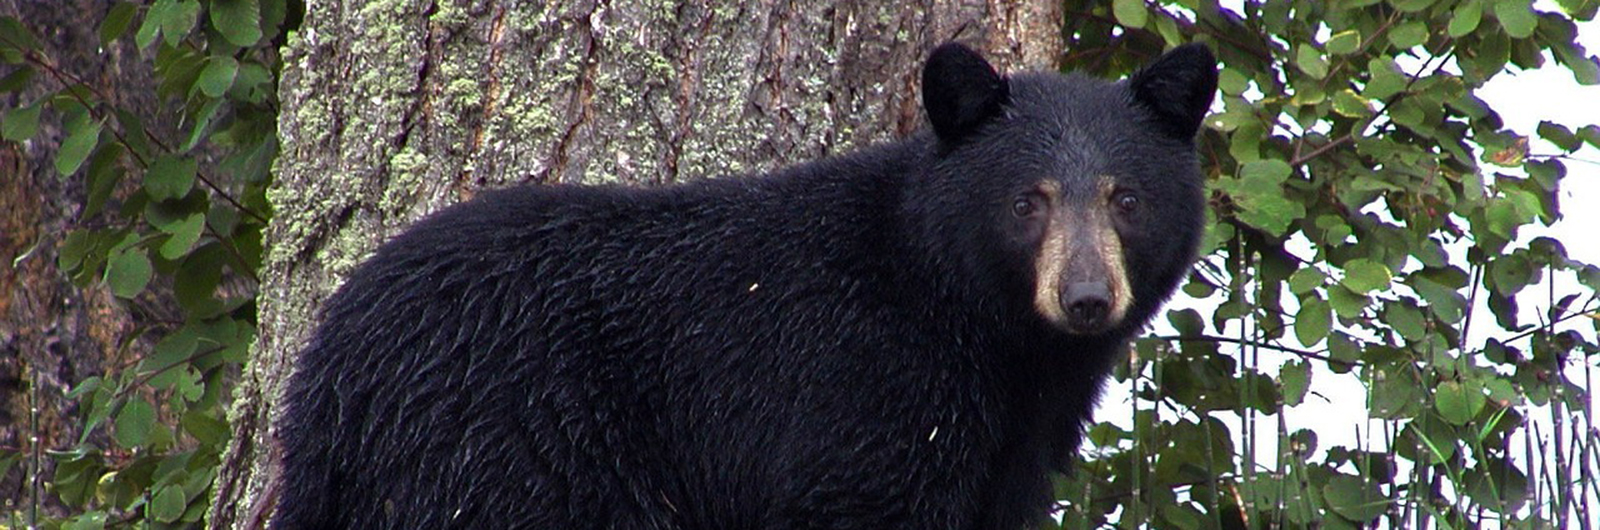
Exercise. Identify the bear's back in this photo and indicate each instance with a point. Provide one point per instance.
(546, 325)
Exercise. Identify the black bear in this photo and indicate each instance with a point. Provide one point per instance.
(909, 336)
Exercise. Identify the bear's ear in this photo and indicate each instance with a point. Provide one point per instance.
(960, 91)
(1178, 88)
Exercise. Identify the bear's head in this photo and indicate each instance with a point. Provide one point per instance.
(1081, 199)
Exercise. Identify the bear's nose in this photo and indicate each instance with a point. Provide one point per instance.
(1087, 305)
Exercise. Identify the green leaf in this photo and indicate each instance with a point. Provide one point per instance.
(170, 177)
(1313, 321)
(1445, 302)
(239, 348)
(167, 215)
(202, 123)
(194, 284)
(134, 423)
(1503, 392)
(1517, 17)
(245, 84)
(95, 520)
(1436, 437)
(151, 27)
(1295, 378)
(1559, 135)
(133, 133)
(1458, 403)
(90, 384)
(105, 170)
(1579, 9)
(73, 249)
(1590, 135)
(239, 21)
(1405, 320)
(1342, 349)
(169, 18)
(75, 477)
(14, 34)
(1501, 485)
(20, 123)
(1245, 143)
(1411, 6)
(180, 21)
(1181, 517)
(1386, 80)
(1465, 18)
(1231, 82)
(1344, 42)
(1354, 498)
(1269, 172)
(1346, 303)
(217, 77)
(1504, 218)
(208, 430)
(1306, 279)
(99, 411)
(117, 21)
(1585, 68)
(1187, 322)
(1170, 34)
(1492, 53)
(1269, 212)
(1310, 61)
(1409, 35)
(17, 79)
(1309, 94)
(1545, 174)
(128, 273)
(168, 504)
(184, 236)
(168, 358)
(8, 459)
(80, 141)
(1350, 105)
(1510, 273)
(273, 14)
(186, 383)
(1364, 275)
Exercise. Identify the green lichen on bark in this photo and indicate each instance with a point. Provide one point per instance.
(408, 169)
(451, 13)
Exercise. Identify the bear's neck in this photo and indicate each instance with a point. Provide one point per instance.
(943, 243)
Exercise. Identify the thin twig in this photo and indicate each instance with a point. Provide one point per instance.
(1246, 342)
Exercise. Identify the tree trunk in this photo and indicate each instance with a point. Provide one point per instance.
(392, 110)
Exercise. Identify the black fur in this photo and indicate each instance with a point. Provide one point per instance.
(960, 91)
(847, 343)
(1179, 88)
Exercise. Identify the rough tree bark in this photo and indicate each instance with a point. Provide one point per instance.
(395, 108)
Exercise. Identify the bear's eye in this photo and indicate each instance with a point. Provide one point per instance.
(1025, 205)
(1126, 202)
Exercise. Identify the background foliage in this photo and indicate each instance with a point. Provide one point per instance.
(166, 221)
(1367, 207)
